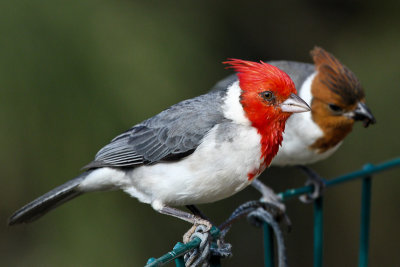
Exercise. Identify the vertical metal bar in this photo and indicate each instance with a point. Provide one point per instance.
(365, 221)
(179, 262)
(318, 232)
(268, 246)
(215, 261)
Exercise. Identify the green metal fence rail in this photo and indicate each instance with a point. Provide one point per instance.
(179, 251)
(365, 174)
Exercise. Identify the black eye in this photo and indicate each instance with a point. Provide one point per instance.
(335, 108)
(267, 95)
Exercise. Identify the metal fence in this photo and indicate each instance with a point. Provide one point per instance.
(364, 174)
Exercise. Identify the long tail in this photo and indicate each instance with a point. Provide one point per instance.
(40, 206)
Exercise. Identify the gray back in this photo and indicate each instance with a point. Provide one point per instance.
(172, 134)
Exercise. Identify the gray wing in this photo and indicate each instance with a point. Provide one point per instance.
(172, 134)
(297, 71)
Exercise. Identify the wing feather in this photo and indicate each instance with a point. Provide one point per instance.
(170, 135)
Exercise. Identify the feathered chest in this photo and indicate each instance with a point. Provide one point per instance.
(218, 168)
(300, 135)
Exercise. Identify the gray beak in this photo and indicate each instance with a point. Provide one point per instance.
(294, 104)
(362, 113)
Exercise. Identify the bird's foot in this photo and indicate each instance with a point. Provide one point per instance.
(195, 220)
(221, 249)
(200, 255)
(210, 246)
(272, 203)
(268, 195)
(316, 181)
(199, 225)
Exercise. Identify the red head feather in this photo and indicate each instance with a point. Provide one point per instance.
(254, 79)
(251, 74)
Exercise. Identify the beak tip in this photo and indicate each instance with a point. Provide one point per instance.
(294, 104)
(363, 113)
(367, 122)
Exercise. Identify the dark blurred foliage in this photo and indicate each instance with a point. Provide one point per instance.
(73, 74)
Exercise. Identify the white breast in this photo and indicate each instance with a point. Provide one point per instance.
(300, 133)
(216, 170)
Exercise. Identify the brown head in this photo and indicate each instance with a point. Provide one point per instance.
(338, 100)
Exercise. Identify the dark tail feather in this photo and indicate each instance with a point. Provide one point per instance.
(40, 206)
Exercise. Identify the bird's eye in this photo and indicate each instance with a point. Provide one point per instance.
(335, 108)
(267, 95)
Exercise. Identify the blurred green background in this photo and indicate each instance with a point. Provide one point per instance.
(73, 74)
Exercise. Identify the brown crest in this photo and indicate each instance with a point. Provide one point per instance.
(337, 77)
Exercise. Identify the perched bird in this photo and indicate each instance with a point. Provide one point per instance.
(198, 151)
(337, 100)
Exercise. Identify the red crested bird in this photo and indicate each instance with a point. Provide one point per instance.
(198, 151)
(337, 100)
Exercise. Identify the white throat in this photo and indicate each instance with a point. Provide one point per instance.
(305, 91)
(232, 108)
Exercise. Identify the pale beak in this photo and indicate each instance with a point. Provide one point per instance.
(294, 104)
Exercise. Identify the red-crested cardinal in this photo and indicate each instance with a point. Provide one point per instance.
(198, 151)
(337, 100)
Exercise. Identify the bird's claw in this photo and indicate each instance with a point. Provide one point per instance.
(319, 188)
(268, 195)
(221, 249)
(272, 204)
(199, 225)
(316, 181)
(202, 253)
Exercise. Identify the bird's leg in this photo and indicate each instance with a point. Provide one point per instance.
(268, 195)
(199, 256)
(195, 210)
(272, 203)
(201, 227)
(220, 248)
(186, 217)
(313, 179)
